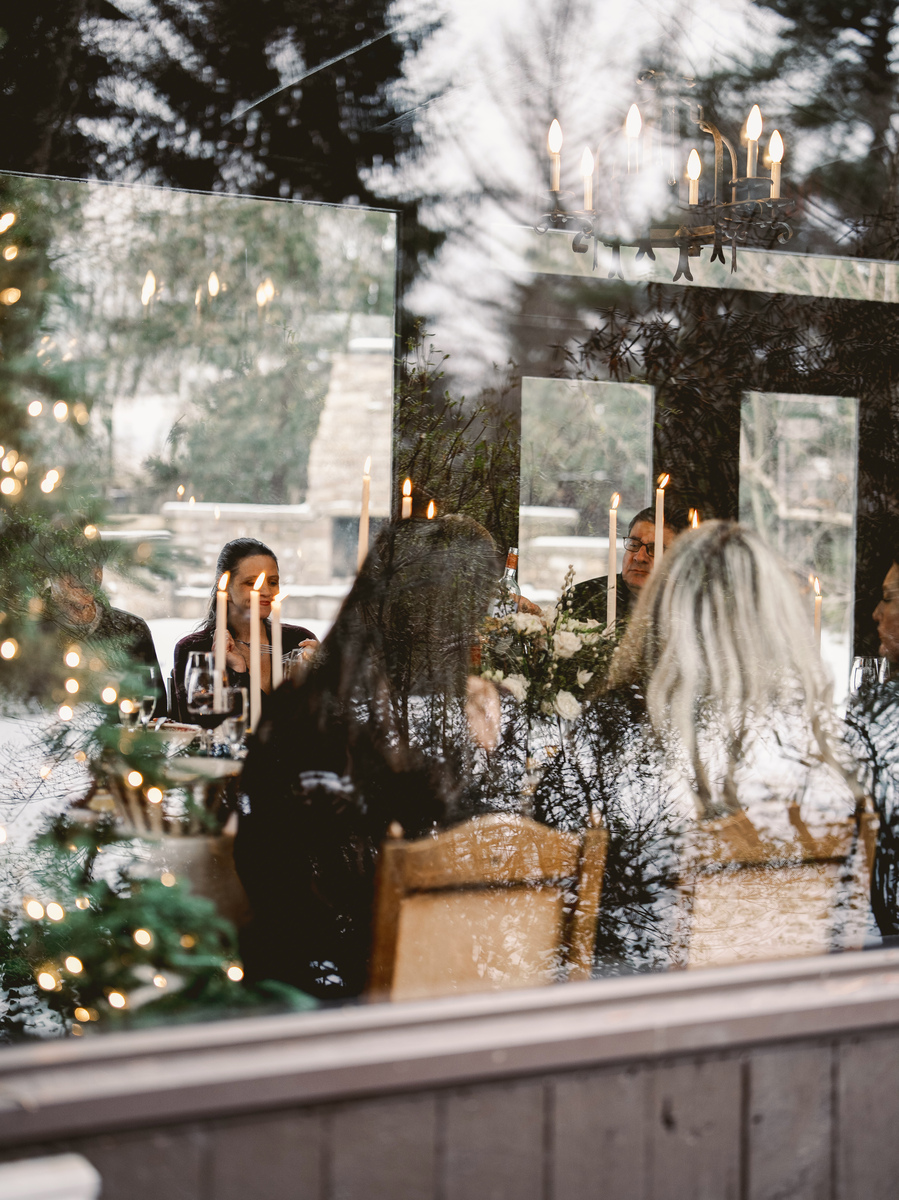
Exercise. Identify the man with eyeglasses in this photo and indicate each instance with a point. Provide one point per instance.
(589, 598)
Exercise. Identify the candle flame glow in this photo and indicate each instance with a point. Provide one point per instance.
(432, 510)
(587, 163)
(694, 518)
(407, 488)
(776, 147)
(663, 481)
(694, 165)
(817, 587)
(259, 582)
(616, 499)
(366, 470)
(634, 122)
(754, 124)
(213, 284)
(148, 290)
(280, 596)
(554, 138)
(223, 582)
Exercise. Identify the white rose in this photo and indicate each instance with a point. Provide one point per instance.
(565, 644)
(526, 623)
(566, 706)
(517, 685)
(583, 678)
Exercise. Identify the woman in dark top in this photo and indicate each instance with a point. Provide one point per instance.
(387, 726)
(245, 559)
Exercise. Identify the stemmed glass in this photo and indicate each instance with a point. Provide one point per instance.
(234, 726)
(200, 683)
(867, 674)
(148, 701)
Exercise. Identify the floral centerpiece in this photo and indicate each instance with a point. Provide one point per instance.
(550, 664)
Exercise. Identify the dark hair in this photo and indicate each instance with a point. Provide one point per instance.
(230, 556)
(675, 518)
(389, 681)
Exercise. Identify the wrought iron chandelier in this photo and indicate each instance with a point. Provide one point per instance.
(743, 209)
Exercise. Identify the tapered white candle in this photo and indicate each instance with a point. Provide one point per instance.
(660, 521)
(817, 613)
(255, 655)
(554, 146)
(277, 671)
(612, 581)
(363, 514)
(632, 126)
(407, 500)
(775, 154)
(221, 630)
(587, 168)
(753, 133)
(694, 170)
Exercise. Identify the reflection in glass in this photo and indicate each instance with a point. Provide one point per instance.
(580, 442)
(798, 463)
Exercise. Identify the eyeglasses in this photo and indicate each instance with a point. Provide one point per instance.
(633, 545)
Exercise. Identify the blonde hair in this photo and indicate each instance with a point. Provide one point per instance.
(721, 643)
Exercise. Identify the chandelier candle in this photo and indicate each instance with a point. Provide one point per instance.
(817, 614)
(432, 510)
(587, 168)
(221, 629)
(775, 154)
(363, 514)
(407, 501)
(277, 645)
(753, 133)
(660, 521)
(554, 145)
(632, 127)
(694, 170)
(255, 655)
(612, 580)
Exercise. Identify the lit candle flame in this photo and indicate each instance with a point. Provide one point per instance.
(366, 470)
(554, 138)
(261, 296)
(432, 510)
(213, 284)
(148, 290)
(754, 124)
(663, 481)
(776, 147)
(694, 518)
(616, 499)
(694, 165)
(280, 597)
(223, 582)
(634, 122)
(407, 488)
(817, 587)
(259, 582)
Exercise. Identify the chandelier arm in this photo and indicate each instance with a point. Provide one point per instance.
(708, 127)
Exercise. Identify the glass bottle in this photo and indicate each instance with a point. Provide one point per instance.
(508, 593)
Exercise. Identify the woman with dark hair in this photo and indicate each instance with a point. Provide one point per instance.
(388, 725)
(244, 559)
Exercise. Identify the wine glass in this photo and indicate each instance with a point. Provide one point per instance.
(200, 684)
(147, 708)
(867, 674)
(235, 724)
(129, 712)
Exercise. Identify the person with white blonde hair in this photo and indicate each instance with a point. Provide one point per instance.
(716, 722)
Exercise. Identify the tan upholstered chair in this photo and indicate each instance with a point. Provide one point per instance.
(497, 902)
(746, 900)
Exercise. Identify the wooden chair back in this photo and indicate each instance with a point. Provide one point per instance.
(497, 902)
(747, 900)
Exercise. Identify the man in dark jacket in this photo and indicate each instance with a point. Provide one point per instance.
(589, 598)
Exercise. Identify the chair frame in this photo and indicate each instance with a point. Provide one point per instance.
(444, 862)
